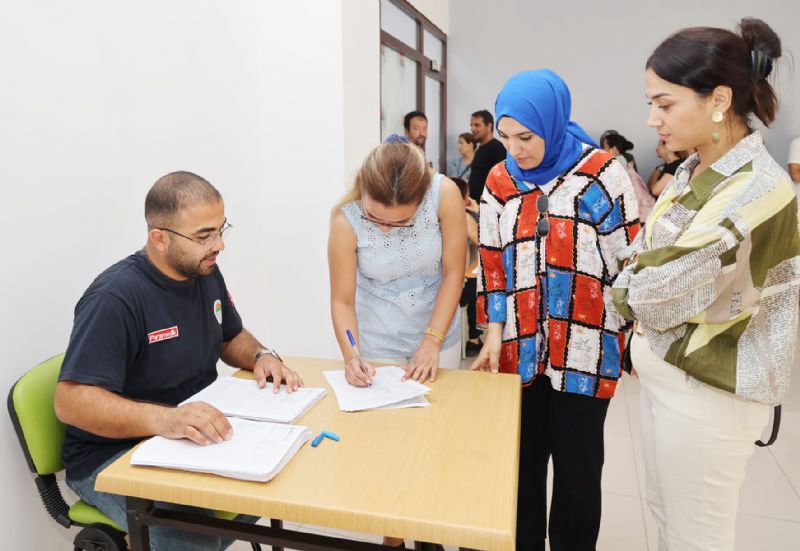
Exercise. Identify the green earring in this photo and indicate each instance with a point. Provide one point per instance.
(716, 117)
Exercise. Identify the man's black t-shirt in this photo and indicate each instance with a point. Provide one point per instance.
(146, 337)
(486, 156)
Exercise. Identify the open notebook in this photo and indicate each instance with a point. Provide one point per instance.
(242, 398)
(388, 391)
(257, 451)
(262, 443)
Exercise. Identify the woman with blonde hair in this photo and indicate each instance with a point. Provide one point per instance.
(396, 255)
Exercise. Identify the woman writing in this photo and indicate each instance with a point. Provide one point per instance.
(396, 255)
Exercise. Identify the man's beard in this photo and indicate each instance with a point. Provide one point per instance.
(189, 267)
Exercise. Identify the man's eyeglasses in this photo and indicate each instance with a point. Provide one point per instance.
(543, 224)
(207, 242)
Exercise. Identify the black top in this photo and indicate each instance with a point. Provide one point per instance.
(147, 337)
(486, 156)
(670, 168)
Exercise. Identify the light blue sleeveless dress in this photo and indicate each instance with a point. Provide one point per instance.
(398, 274)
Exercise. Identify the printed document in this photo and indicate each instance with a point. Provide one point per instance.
(388, 391)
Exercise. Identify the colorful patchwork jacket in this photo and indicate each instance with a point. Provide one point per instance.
(555, 299)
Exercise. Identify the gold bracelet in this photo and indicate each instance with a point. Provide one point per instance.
(435, 333)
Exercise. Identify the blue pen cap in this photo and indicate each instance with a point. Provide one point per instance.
(350, 336)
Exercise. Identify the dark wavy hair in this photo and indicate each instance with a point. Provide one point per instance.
(702, 58)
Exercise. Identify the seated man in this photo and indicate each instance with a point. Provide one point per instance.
(148, 333)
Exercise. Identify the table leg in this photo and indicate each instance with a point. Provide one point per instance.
(276, 523)
(138, 533)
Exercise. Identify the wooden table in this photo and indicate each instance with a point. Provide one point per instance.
(444, 474)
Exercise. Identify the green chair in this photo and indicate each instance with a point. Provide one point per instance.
(41, 434)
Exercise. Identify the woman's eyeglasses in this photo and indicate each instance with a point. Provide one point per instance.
(386, 224)
(543, 224)
(365, 216)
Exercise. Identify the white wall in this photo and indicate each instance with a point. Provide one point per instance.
(101, 98)
(437, 11)
(600, 50)
(362, 82)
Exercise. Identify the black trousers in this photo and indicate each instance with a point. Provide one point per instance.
(570, 428)
(468, 295)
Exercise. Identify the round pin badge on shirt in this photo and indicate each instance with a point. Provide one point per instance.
(218, 310)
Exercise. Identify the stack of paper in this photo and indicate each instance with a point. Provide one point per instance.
(242, 398)
(388, 391)
(257, 451)
(259, 448)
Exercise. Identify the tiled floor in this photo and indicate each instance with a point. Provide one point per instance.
(769, 511)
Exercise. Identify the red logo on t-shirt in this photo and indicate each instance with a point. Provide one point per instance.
(163, 334)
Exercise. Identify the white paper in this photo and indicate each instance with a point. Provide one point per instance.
(242, 398)
(388, 391)
(256, 451)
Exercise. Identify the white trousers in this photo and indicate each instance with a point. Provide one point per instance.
(449, 358)
(696, 441)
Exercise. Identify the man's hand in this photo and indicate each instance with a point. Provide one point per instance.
(269, 366)
(198, 421)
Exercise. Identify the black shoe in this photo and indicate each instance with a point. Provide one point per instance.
(472, 348)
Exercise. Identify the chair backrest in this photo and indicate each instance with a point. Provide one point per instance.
(30, 404)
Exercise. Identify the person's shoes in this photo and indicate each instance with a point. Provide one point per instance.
(472, 348)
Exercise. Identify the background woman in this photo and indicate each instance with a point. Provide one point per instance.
(712, 281)
(461, 167)
(553, 216)
(663, 174)
(617, 145)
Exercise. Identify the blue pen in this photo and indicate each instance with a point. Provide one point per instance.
(358, 355)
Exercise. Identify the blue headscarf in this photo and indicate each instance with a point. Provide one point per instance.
(540, 101)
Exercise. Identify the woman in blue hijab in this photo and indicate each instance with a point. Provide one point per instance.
(554, 215)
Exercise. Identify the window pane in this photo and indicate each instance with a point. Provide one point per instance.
(433, 112)
(432, 48)
(398, 90)
(398, 24)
